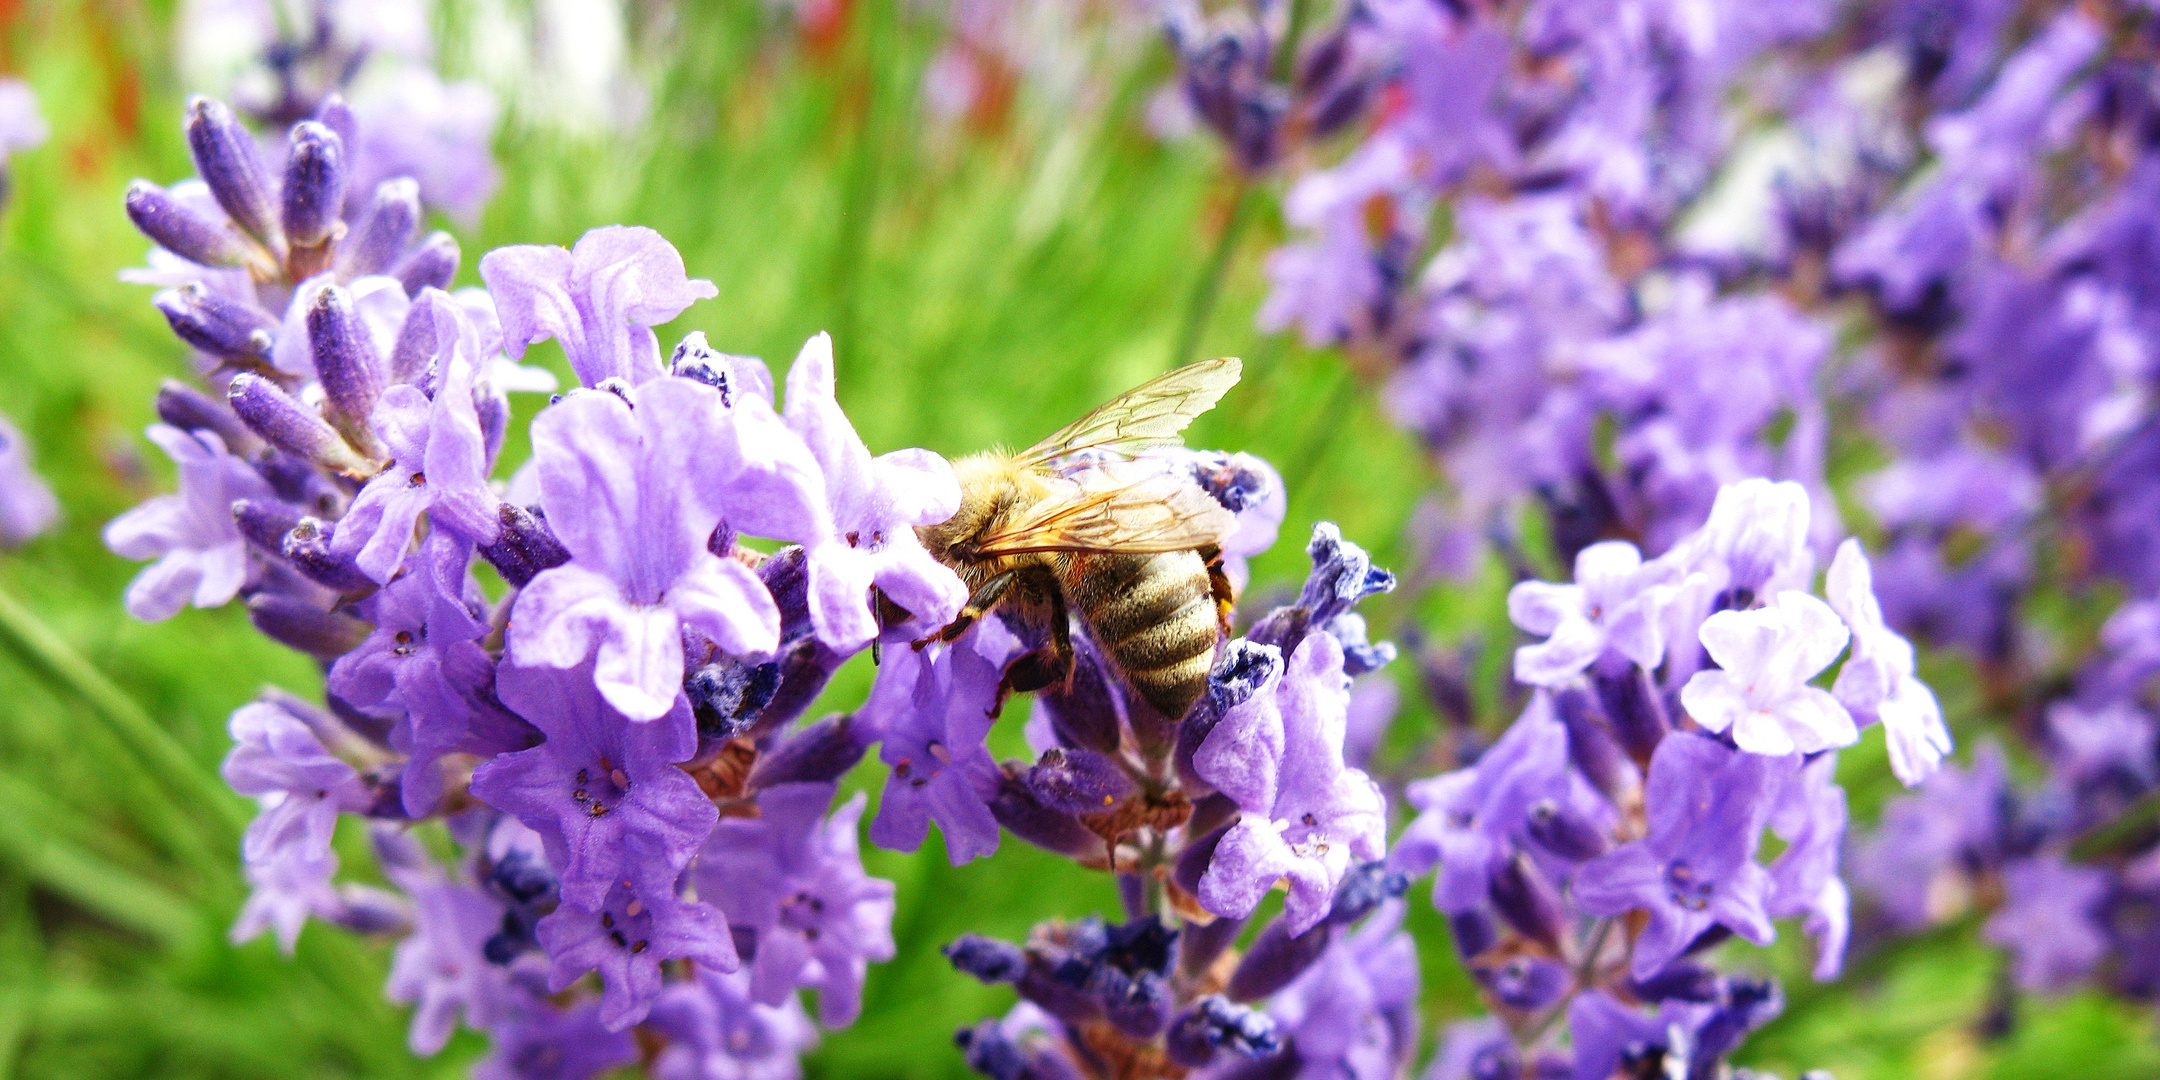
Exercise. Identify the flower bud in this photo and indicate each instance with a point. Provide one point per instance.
(228, 160)
(524, 547)
(1200, 945)
(346, 363)
(1474, 932)
(823, 751)
(226, 329)
(336, 115)
(265, 522)
(695, 358)
(728, 694)
(1242, 668)
(307, 547)
(1363, 889)
(386, 229)
(1276, 958)
(1216, 1023)
(364, 909)
(432, 265)
(299, 624)
(1749, 1004)
(1527, 901)
(988, 959)
(1679, 981)
(314, 194)
(285, 423)
(1591, 744)
(1139, 1006)
(1082, 711)
(988, 1051)
(1017, 809)
(189, 409)
(1635, 708)
(1524, 982)
(171, 225)
(492, 409)
(1078, 781)
(1566, 833)
(429, 326)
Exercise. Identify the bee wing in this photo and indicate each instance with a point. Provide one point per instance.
(1154, 513)
(1143, 418)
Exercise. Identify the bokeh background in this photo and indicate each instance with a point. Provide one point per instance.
(987, 273)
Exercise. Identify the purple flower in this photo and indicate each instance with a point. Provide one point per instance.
(546, 1043)
(2114, 741)
(1707, 805)
(934, 708)
(1810, 818)
(279, 760)
(1469, 819)
(440, 969)
(201, 557)
(1476, 1049)
(1306, 816)
(624, 938)
(1917, 865)
(438, 457)
(865, 535)
(1767, 656)
(795, 877)
(599, 299)
(1353, 1014)
(718, 1030)
(286, 890)
(423, 666)
(2047, 921)
(632, 486)
(27, 506)
(1758, 534)
(602, 791)
(1878, 680)
(1603, 1032)
(1613, 604)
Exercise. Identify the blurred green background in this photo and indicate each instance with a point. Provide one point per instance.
(984, 281)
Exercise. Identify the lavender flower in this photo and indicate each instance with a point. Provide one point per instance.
(935, 711)
(1696, 868)
(1305, 815)
(792, 876)
(599, 299)
(635, 486)
(1761, 694)
(2047, 921)
(27, 505)
(1877, 681)
(201, 556)
(1614, 604)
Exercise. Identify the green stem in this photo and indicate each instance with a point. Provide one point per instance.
(44, 652)
(1209, 286)
(2106, 838)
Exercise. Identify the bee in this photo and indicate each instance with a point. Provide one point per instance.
(1075, 526)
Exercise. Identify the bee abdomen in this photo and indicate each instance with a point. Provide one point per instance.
(1155, 615)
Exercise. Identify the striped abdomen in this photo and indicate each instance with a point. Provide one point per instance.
(1156, 617)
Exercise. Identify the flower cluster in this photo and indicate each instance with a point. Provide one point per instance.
(1590, 856)
(644, 859)
(610, 744)
(1199, 820)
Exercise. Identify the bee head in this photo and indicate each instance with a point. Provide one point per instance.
(986, 488)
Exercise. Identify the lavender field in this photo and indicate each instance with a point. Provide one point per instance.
(725, 540)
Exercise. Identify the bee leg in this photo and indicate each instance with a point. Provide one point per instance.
(978, 605)
(1224, 592)
(1061, 637)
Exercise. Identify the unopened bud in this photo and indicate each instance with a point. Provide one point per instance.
(346, 362)
(226, 329)
(283, 422)
(228, 160)
(1277, 957)
(264, 522)
(1566, 833)
(189, 409)
(299, 624)
(524, 547)
(386, 229)
(307, 547)
(171, 225)
(432, 265)
(1528, 902)
(314, 194)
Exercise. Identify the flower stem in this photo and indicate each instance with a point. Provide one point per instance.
(45, 653)
(1209, 286)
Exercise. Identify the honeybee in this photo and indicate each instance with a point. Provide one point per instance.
(1075, 526)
